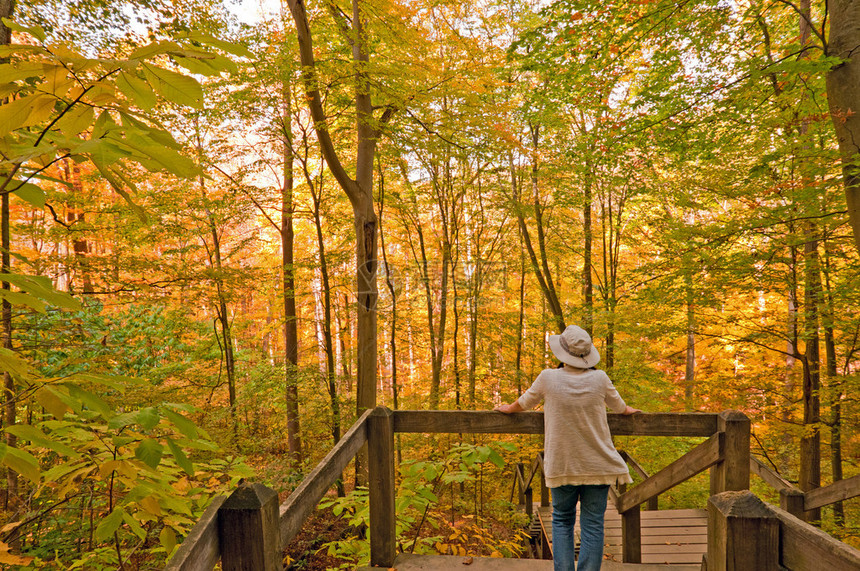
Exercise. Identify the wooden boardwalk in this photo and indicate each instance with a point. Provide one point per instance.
(405, 562)
(675, 537)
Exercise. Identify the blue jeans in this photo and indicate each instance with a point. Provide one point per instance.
(593, 500)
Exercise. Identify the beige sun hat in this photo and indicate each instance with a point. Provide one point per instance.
(574, 347)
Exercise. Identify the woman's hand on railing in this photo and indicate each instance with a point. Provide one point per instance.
(630, 410)
(509, 408)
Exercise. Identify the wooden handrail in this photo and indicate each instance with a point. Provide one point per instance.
(652, 502)
(835, 492)
(303, 500)
(794, 500)
(693, 462)
(200, 551)
(804, 547)
(770, 476)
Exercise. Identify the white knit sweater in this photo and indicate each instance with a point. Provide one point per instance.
(578, 447)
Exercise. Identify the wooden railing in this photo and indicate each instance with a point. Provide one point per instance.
(747, 533)
(248, 530)
(799, 503)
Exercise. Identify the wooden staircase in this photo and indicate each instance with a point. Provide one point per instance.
(676, 537)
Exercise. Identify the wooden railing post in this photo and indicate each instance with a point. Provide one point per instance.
(793, 501)
(544, 491)
(631, 536)
(248, 530)
(380, 447)
(733, 473)
(743, 533)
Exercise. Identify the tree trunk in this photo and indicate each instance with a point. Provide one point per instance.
(834, 386)
(539, 267)
(7, 7)
(587, 282)
(291, 335)
(843, 97)
(359, 190)
(810, 444)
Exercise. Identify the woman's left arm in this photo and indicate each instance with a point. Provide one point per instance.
(509, 408)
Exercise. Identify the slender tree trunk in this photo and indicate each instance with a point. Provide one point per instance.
(810, 443)
(291, 335)
(690, 369)
(539, 268)
(587, 282)
(834, 384)
(221, 311)
(791, 350)
(7, 8)
(392, 291)
(521, 323)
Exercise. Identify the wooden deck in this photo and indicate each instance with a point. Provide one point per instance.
(449, 562)
(675, 537)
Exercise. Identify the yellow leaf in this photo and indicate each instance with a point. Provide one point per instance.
(9, 527)
(10, 558)
(168, 539)
(151, 505)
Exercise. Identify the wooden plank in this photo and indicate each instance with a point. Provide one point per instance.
(200, 551)
(470, 421)
(653, 502)
(652, 536)
(696, 460)
(770, 477)
(491, 422)
(380, 453)
(804, 547)
(695, 513)
(835, 492)
(304, 499)
(663, 424)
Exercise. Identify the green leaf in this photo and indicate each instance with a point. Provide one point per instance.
(229, 47)
(35, 31)
(134, 525)
(14, 114)
(11, 363)
(120, 421)
(181, 459)
(28, 192)
(77, 120)
(153, 49)
(167, 537)
(23, 70)
(92, 401)
(185, 426)
(174, 87)
(18, 298)
(137, 90)
(48, 398)
(108, 526)
(117, 185)
(22, 462)
(149, 451)
(148, 417)
(36, 436)
(168, 158)
(41, 287)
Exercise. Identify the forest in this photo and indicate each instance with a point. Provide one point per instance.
(223, 238)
